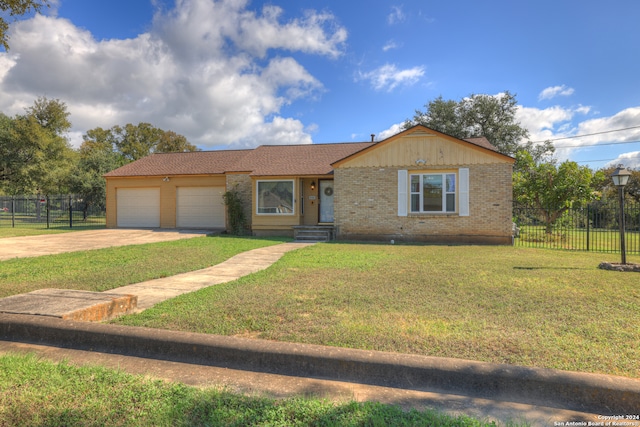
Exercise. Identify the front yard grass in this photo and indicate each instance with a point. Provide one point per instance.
(103, 269)
(35, 392)
(531, 307)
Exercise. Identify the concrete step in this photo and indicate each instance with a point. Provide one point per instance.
(316, 233)
(69, 304)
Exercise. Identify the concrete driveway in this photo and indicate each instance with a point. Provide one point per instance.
(31, 246)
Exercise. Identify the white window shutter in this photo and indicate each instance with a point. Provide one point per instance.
(463, 191)
(403, 185)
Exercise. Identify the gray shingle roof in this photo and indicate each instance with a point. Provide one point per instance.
(266, 160)
(298, 160)
(191, 163)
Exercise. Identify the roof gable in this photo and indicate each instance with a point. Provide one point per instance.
(427, 147)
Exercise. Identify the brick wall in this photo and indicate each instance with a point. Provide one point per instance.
(366, 208)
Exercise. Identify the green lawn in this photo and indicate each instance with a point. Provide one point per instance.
(104, 269)
(39, 393)
(532, 307)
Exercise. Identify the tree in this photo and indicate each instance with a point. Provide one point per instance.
(14, 8)
(551, 188)
(95, 160)
(493, 117)
(134, 142)
(51, 114)
(604, 186)
(171, 142)
(35, 156)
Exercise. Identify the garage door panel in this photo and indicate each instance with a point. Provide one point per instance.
(138, 207)
(200, 207)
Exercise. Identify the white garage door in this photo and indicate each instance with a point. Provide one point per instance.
(138, 207)
(200, 207)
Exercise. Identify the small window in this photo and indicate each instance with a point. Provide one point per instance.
(275, 197)
(433, 192)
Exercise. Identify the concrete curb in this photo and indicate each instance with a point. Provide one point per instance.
(601, 394)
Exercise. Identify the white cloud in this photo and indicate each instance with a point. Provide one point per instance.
(557, 123)
(553, 91)
(628, 160)
(396, 16)
(391, 44)
(389, 132)
(212, 71)
(388, 77)
(547, 123)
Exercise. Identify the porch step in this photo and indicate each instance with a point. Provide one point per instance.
(313, 233)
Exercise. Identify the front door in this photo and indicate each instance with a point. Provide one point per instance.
(326, 201)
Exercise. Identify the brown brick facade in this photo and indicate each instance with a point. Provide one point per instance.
(366, 208)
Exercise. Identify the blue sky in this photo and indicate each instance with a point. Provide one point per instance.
(239, 73)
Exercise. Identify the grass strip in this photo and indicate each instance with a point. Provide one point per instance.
(35, 392)
(529, 307)
(103, 269)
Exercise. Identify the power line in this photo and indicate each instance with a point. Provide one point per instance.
(588, 134)
(597, 144)
(589, 161)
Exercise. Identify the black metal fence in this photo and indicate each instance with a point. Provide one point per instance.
(60, 211)
(594, 227)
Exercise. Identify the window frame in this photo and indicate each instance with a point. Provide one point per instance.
(420, 192)
(293, 197)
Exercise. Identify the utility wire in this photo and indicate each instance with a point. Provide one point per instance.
(588, 134)
(597, 144)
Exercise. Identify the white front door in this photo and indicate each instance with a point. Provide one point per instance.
(326, 201)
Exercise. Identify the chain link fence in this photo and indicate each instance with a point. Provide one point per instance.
(594, 227)
(60, 211)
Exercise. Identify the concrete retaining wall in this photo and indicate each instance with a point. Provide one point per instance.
(602, 394)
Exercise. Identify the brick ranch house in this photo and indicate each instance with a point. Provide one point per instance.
(418, 185)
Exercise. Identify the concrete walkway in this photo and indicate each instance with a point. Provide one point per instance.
(152, 292)
(98, 306)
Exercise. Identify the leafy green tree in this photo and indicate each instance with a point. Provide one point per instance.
(493, 117)
(551, 188)
(35, 156)
(13, 9)
(94, 161)
(171, 142)
(51, 114)
(605, 188)
(134, 142)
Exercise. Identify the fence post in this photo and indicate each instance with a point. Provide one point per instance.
(70, 213)
(13, 211)
(48, 210)
(588, 223)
